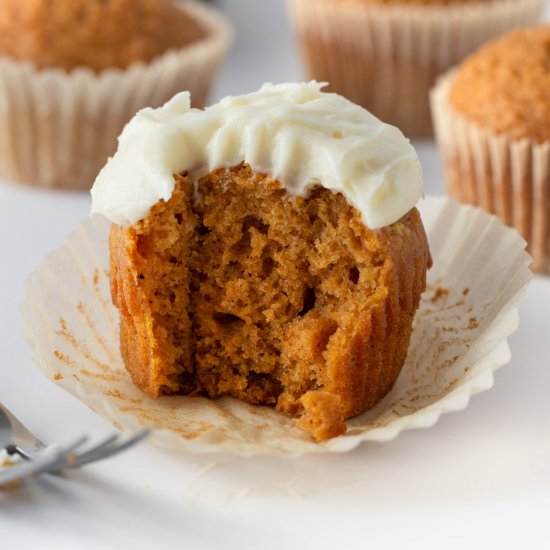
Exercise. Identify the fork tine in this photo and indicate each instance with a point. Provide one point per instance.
(57, 461)
(92, 454)
(110, 447)
(49, 462)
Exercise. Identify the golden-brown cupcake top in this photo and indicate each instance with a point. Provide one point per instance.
(505, 85)
(98, 34)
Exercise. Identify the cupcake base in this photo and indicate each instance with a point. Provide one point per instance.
(459, 337)
(221, 298)
(387, 58)
(507, 177)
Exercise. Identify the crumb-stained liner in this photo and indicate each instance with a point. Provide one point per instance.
(58, 128)
(507, 177)
(387, 58)
(470, 307)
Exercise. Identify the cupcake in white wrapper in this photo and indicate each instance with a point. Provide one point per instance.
(479, 275)
(496, 154)
(58, 127)
(386, 55)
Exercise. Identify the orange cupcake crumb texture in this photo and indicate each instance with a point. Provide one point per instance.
(505, 85)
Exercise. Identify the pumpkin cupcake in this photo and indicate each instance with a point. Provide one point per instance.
(386, 54)
(492, 118)
(279, 260)
(73, 72)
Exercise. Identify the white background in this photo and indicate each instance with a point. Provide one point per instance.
(478, 479)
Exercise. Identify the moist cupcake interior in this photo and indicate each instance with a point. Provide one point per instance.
(252, 289)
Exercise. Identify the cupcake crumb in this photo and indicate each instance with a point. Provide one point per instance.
(439, 294)
(5, 462)
(323, 417)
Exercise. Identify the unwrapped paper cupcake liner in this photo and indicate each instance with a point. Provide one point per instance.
(469, 308)
(505, 176)
(58, 128)
(386, 58)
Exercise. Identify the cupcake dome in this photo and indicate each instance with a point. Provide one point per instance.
(492, 118)
(99, 35)
(505, 86)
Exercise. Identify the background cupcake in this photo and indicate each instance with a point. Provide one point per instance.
(73, 72)
(492, 118)
(386, 54)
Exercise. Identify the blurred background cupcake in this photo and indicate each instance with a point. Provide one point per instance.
(492, 118)
(73, 72)
(386, 54)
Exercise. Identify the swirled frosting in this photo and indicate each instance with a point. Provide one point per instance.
(298, 134)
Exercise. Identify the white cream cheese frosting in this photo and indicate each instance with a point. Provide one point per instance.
(298, 134)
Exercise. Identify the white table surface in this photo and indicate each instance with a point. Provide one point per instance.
(478, 479)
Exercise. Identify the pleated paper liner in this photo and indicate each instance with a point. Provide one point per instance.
(480, 273)
(387, 58)
(505, 176)
(58, 128)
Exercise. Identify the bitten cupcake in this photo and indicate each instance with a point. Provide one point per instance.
(492, 118)
(266, 248)
(73, 72)
(386, 54)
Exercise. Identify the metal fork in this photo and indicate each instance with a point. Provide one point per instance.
(38, 458)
